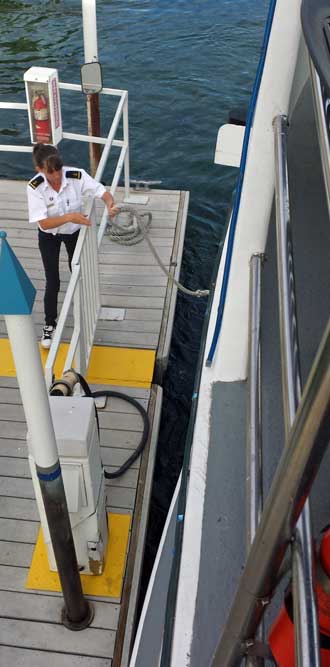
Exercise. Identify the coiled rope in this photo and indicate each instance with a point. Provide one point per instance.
(135, 231)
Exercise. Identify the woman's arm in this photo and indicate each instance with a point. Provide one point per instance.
(110, 203)
(77, 218)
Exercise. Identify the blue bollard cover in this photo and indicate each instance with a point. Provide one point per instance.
(17, 293)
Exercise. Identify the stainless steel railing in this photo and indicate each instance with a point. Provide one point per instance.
(320, 108)
(307, 443)
(285, 520)
(253, 431)
(307, 649)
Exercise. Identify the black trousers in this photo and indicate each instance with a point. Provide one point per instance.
(49, 246)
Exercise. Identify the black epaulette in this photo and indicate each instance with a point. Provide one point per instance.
(73, 174)
(36, 181)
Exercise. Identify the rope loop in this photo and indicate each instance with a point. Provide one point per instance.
(136, 230)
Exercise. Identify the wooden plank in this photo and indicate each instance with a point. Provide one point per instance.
(50, 637)
(16, 554)
(21, 657)
(13, 430)
(15, 487)
(11, 467)
(34, 607)
(135, 392)
(18, 508)
(114, 420)
(30, 232)
(120, 421)
(121, 498)
(13, 448)
(120, 439)
(116, 457)
(133, 326)
(13, 530)
(145, 341)
(132, 302)
(127, 480)
(13, 578)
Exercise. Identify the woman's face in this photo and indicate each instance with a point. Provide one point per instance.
(54, 178)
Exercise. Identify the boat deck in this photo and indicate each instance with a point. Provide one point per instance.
(130, 279)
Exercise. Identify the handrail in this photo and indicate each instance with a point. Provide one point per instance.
(306, 624)
(322, 129)
(254, 435)
(254, 467)
(296, 472)
(83, 293)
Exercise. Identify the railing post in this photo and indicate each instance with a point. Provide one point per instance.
(80, 365)
(306, 625)
(126, 142)
(254, 435)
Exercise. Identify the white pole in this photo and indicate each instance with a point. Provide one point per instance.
(89, 30)
(33, 390)
(91, 55)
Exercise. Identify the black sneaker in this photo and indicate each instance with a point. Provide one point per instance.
(47, 335)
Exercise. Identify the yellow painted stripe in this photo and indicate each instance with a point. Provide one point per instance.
(108, 365)
(108, 584)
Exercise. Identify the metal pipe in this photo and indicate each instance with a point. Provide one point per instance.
(305, 623)
(307, 643)
(253, 443)
(253, 450)
(322, 129)
(299, 464)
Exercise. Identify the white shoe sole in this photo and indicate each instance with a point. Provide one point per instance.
(46, 344)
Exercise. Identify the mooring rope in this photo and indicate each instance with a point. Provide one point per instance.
(135, 231)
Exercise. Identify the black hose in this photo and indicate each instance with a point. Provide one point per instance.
(142, 411)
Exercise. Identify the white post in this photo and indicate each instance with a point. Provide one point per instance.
(33, 390)
(126, 142)
(89, 30)
(91, 55)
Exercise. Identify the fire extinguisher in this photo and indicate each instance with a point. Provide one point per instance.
(41, 117)
(281, 638)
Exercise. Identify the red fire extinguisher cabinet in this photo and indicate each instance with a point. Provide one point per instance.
(44, 108)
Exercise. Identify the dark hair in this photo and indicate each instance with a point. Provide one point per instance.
(46, 156)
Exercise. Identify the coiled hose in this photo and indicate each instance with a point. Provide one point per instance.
(141, 410)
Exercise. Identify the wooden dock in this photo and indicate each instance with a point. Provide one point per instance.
(130, 279)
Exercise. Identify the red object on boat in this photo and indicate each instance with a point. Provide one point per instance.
(41, 117)
(281, 637)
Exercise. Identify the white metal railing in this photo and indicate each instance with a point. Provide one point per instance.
(83, 293)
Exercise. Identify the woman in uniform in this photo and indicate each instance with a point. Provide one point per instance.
(55, 204)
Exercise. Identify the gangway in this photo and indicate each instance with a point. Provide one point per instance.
(121, 354)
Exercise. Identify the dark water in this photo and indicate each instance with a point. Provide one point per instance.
(185, 63)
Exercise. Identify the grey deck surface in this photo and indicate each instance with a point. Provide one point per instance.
(30, 621)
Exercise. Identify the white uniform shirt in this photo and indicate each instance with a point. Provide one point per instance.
(44, 202)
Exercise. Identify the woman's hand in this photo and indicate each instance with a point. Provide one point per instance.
(112, 210)
(80, 219)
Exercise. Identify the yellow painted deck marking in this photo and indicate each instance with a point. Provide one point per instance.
(109, 584)
(123, 366)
